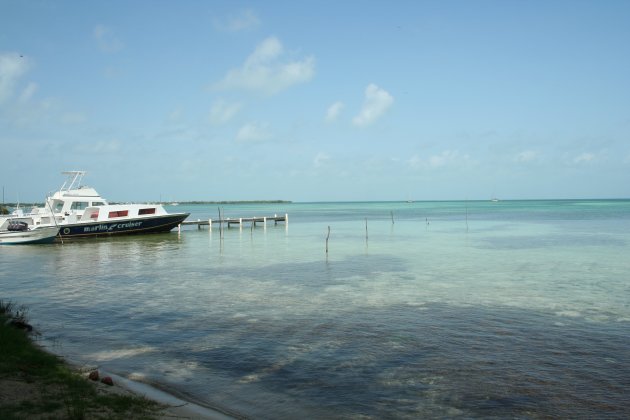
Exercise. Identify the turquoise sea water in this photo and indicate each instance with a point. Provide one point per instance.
(440, 309)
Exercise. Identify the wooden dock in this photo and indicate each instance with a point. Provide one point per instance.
(240, 221)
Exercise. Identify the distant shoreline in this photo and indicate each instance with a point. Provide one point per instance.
(229, 202)
(9, 205)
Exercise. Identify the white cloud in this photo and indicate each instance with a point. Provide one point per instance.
(447, 158)
(28, 92)
(19, 101)
(376, 102)
(334, 111)
(176, 115)
(320, 159)
(12, 68)
(584, 158)
(106, 39)
(99, 147)
(527, 156)
(442, 159)
(222, 111)
(244, 20)
(415, 161)
(252, 132)
(265, 71)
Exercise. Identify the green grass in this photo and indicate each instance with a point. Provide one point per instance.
(46, 387)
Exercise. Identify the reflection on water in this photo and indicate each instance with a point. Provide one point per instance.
(524, 314)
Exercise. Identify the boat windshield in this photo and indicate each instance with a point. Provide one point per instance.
(58, 206)
(79, 205)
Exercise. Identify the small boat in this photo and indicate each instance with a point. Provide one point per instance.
(19, 233)
(80, 212)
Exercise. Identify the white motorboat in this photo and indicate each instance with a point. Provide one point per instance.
(80, 212)
(19, 233)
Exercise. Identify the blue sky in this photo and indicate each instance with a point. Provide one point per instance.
(316, 101)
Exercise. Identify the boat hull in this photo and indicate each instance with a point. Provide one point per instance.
(40, 235)
(131, 226)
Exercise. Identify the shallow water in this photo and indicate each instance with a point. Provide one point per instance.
(443, 309)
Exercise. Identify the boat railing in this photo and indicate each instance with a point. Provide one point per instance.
(73, 181)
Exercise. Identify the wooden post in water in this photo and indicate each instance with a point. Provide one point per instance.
(220, 224)
(327, 236)
(392, 214)
(366, 231)
(466, 215)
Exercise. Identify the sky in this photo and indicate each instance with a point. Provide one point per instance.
(322, 100)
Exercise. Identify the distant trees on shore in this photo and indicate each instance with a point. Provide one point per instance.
(237, 202)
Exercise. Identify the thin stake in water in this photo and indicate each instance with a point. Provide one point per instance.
(220, 224)
(466, 215)
(327, 236)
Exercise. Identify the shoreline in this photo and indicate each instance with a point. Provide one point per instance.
(173, 406)
(30, 365)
